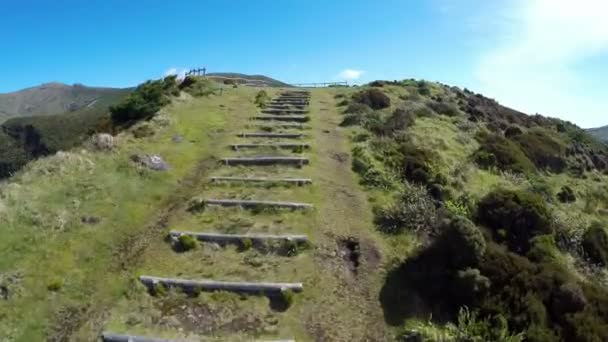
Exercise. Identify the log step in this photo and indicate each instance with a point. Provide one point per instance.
(275, 146)
(189, 285)
(270, 135)
(281, 125)
(237, 238)
(284, 111)
(295, 118)
(298, 161)
(298, 181)
(112, 337)
(252, 204)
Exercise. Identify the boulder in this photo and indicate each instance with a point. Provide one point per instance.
(151, 161)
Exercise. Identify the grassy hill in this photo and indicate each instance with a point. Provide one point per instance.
(30, 136)
(439, 215)
(601, 133)
(55, 98)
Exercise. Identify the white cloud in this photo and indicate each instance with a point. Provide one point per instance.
(181, 73)
(350, 74)
(534, 65)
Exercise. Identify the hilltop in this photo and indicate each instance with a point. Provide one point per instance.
(259, 80)
(55, 98)
(431, 213)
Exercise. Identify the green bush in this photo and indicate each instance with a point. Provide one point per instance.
(514, 216)
(414, 210)
(287, 298)
(373, 98)
(545, 151)
(501, 152)
(462, 241)
(262, 98)
(399, 120)
(444, 108)
(55, 285)
(187, 242)
(566, 195)
(595, 244)
(197, 86)
(513, 131)
(415, 164)
(143, 103)
(245, 244)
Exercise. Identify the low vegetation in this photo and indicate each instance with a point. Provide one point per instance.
(490, 195)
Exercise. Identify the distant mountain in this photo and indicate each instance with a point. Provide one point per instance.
(55, 98)
(600, 133)
(248, 79)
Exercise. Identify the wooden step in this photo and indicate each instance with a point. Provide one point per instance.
(280, 125)
(284, 111)
(294, 118)
(297, 161)
(237, 147)
(297, 181)
(270, 135)
(190, 285)
(252, 204)
(112, 337)
(238, 238)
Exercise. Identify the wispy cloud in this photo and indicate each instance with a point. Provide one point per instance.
(350, 74)
(180, 72)
(533, 65)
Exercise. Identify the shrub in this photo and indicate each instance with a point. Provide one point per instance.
(507, 155)
(261, 98)
(55, 285)
(374, 98)
(245, 244)
(399, 120)
(444, 108)
(566, 195)
(187, 242)
(197, 86)
(513, 131)
(147, 99)
(287, 298)
(595, 244)
(543, 150)
(413, 210)
(343, 103)
(462, 241)
(415, 164)
(517, 214)
(357, 108)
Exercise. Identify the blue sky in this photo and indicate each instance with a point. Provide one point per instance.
(545, 56)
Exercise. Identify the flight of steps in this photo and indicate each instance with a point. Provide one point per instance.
(284, 118)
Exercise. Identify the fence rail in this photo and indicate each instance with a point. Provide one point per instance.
(319, 84)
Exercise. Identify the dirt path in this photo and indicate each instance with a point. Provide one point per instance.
(349, 250)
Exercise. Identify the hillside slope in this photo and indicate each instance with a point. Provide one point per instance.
(600, 133)
(32, 136)
(54, 98)
(471, 221)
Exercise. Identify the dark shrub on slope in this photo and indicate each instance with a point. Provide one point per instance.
(374, 98)
(595, 244)
(514, 217)
(498, 151)
(545, 151)
(147, 99)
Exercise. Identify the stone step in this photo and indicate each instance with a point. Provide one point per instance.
(284, 111)
(237, 147)
(253, 204)
(297, 181)
(193, 286)
(297, 161)
(238, 238)
(112, 337)
(290, 101)
(294, 118)
(270, 135)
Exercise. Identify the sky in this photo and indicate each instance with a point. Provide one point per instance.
(538, 56)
